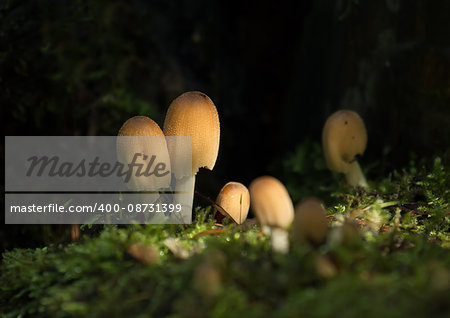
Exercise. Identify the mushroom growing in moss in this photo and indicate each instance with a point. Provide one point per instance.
(193, 114)
(310, 222)
(273, 207)
(344, 139)
(234, 198)
(142, 149)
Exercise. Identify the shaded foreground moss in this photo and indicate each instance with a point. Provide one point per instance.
(397, 265)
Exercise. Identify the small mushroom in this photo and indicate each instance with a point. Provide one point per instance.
(325, 268)
(207, 280)
(192, 114)
(145, 253)
(177, 248)
(234, 198)
(140, 126)
(273, 207)
(143, 149)
(344, 139)
(345, 234)
(208, 274)
(310, 223)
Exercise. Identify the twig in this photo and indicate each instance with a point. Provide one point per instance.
(214, 204)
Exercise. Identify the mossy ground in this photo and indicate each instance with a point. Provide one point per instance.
(387, 255)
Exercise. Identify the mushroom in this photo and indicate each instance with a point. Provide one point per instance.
(273, 207)
(208, 276)
(207, 280)
(145, 253)
(145, 151)
(325, 267)
(192, 114)
(344, 234)
(234, 198)
(310, 223)
(344, 139)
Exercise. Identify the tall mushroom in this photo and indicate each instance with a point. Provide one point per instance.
(192, 114)
(310, 223)
(344, 139)
(234, 198)
(273, 207)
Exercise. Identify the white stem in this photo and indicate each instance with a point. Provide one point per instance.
(266, 229)
(280, 240)
(184, 195)
(355, 176)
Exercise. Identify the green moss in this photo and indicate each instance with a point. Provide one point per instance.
(398, 266)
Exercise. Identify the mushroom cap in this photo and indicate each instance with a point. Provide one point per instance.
(207, 279)
(194, 114)
(141, 126)
(344, 137)
(146, 254)
(234, 198)
(271, 202)
(310, 222)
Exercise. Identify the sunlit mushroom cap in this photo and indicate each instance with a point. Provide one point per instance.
(271, 202)
(344, 137)
(194, 114)
(140, 126)
(234, 198)
(132, 140)
(310, 223)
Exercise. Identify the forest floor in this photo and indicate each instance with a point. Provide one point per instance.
(387, 255)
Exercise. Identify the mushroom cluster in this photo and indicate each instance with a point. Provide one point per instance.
(194, 115)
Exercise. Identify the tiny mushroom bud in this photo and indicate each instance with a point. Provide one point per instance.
(344, 138)
(234, 198)
(273, 207)
(310, 223)
(146, 152)
(207, 280)
(208, 275)
(145, 253)
(192, 114)
(325, 268)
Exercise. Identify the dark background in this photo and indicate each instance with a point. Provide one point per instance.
(275, 70)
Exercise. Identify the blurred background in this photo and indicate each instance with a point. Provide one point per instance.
(275, 70)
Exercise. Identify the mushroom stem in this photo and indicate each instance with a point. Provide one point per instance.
(266, 229)
(355, 176)
(184, 195)
(280, 240)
